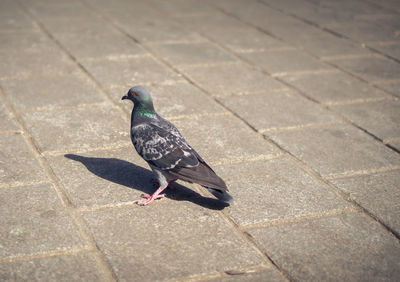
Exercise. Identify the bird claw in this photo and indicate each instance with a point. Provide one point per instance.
(148, 199)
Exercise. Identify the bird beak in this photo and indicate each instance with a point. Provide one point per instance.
(124, 97)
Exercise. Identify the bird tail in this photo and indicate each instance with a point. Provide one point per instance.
(221, 195)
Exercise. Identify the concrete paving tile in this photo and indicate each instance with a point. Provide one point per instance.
(244, 39)
(27, 64)
(48, 9)
(79, 267)
(130, 71)
(153, 30)
(24, 41)
(392, 49)
(382, 118)
(391, 87)
(109, 45)
(370, 68)
(395, 144)
(15, 20)
(378, 193)
(282, 62)
(88, 26)
(265, 111)
(268, 275)
(350, 247)
(77, 129)
(275, 189)
(337, 149)
(223, 139)
(172, 101)
(17, 161)
(179, 54)
(45, 92)
(38, 223)
(366, 32)
(335, 87)
(7, 123)
(232, 78)
(189, 240)
(103, 177)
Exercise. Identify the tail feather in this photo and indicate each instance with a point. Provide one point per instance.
(221, 195)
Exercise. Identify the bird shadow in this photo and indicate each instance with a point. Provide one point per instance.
(136, 177)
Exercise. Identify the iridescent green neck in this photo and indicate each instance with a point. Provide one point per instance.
(145, 109)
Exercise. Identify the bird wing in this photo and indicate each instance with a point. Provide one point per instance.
(168, 151)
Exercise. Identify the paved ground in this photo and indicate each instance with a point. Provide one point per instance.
(294, 102)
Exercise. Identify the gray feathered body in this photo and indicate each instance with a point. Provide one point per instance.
(170, 157)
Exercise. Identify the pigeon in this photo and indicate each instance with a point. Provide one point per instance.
(168, 154)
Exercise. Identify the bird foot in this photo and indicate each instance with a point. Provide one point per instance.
(148, 199)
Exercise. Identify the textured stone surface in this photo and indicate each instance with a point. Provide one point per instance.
(272, 190)
(337, 149)
(332, 243)
(47, 92)
(371, 116)
(231, 78)
(370, 68)
(378, 193)
(335, 87)
(18, 163)
(7, 122)
(78, 129)
(268, 275)
(281, 62)
(223, 139)
(244, 39)
(38, 223)
(129, 71)
(391, 87)
(201, 242)
(278, 110)
(80, 267)
(179, 54)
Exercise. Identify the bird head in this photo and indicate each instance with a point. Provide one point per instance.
(138, 94)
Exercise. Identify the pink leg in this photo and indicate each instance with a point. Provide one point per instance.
(156, 195)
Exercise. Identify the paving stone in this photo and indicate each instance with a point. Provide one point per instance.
(382, 119)
(80, 267)
(244, 39)
(130, 71)
(17, 161)
(370, 68)
(24, 41)
(333, 87)
(77, 129)
(174, 101)
(15, 20)
(45, 92)
(109, 45)
(378, 193)
(395, 144)
(365, 32)
(38, 223)
(337, 149)
(276, 189)
(183, 235)
(391, 87)
(391, 49)
(70, 10)
(265, 111)
(179, 54)
(26, 64)
(222, 80)
(283, 62)
(223, 139)
(350, 247)
(103, 177)
(7, 122)
(153, 30)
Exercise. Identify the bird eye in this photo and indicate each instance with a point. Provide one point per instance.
(133, 93)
